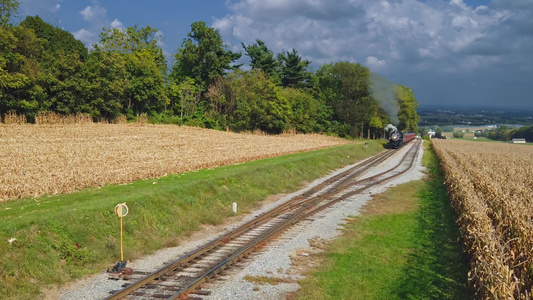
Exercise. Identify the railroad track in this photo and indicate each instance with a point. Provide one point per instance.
(185, 275)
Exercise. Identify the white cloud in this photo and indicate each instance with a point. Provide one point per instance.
(159, 36)
(96, 17)
(399, 32)
(94, 13)
(116, 24)
(430, 38)
(85, 36)
(459, 3)
(374, 63)
(46, 9)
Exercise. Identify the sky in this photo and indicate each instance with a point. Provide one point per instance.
(449, 52)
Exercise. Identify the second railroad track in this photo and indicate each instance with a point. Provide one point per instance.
(186, 275)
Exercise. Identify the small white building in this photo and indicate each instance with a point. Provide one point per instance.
(518, 141)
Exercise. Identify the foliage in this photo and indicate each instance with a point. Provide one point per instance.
(144, 65)
(525, 132)
(43, 68)
(106, 73)
(19, 67)
(185, 97)
(407, 115)
(8, 10)
(503, 133)
(248, 100)
(293, 70)
(203, 56)
(262, 58)
(458, 134)
(305, 110)
(344, 85)
(55, 40)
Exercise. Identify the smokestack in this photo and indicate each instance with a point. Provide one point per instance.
(383, 91)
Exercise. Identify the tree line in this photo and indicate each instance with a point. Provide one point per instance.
(44, 68)
(504, 133)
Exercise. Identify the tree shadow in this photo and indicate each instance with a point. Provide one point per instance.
(437, 268)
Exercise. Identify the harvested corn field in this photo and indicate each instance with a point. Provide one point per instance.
(491, 189)
(54, 159)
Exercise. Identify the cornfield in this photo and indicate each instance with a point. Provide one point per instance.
(491, 190)
(54, 159)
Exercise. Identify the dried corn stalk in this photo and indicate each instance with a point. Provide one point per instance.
(491, 190)
(53, 159)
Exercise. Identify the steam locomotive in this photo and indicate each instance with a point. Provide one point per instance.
(398, 138)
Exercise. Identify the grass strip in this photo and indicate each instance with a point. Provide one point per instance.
(50, 240)
(405, 245)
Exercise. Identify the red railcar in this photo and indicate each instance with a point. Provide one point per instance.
(408, 137)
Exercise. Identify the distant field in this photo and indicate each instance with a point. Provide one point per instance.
(37, 160)
(467, 135)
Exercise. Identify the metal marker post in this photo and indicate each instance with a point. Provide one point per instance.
(121, 210)
(121, 249)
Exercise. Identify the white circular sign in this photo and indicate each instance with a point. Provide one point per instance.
(121, 209)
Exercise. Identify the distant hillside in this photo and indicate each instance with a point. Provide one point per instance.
(473, 116)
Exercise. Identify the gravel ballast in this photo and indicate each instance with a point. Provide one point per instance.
(273, 261)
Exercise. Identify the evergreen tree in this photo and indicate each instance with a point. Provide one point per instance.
(293, 70)
(262, 58)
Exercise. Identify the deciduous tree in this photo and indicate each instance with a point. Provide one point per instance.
(19, 67)
(144, 66)
(305, 110)
(407, 115)
(8, 9)
(344, 85)
(203, 56)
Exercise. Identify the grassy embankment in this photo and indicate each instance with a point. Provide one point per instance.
(47, 230)
(405, 245)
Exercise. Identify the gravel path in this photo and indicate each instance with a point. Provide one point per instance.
(274, 261)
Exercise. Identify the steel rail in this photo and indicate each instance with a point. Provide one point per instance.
(185, 259)
(302, 214)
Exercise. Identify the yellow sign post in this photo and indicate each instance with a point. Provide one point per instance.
(121, 210)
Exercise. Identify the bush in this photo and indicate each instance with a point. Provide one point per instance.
(165, 118)
(458, 134)
(195, 123)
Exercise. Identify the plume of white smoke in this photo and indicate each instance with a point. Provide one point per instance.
(383, 91)
(391, 127)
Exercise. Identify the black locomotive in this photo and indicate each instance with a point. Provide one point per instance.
(398, 138)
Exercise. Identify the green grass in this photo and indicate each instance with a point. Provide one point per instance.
(161, 211)
(405, 246)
